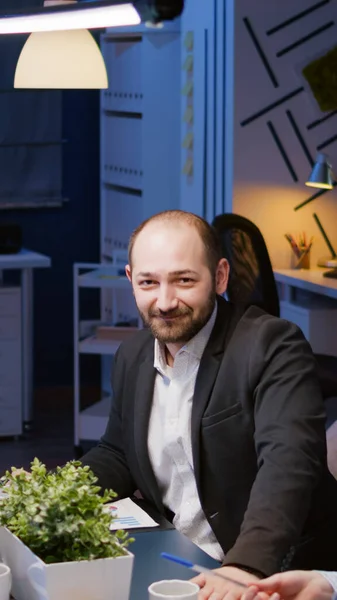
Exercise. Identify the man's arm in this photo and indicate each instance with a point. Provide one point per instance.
(107, 459)
(290, 445)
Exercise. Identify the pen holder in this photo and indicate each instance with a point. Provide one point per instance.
(302, 261)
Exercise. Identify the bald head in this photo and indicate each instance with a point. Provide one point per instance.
(179, 218)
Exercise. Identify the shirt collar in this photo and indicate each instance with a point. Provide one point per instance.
(195, 346)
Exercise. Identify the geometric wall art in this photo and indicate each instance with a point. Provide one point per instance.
(279, 126)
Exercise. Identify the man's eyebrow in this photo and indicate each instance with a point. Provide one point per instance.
(183, 272)
(179, 273)
(145, 274)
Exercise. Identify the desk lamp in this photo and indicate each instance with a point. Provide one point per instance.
(322, 177)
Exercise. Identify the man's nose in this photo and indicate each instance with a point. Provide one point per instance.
(166, 299)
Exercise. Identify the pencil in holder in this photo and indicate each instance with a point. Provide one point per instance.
(302, 261)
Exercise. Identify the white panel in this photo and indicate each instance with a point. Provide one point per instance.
(10, 363)
(10, 328)
(123, 61)
(123, 213)
(10, 397)
(122, 151)
(10, 422)
(10, 302)
(161, 122)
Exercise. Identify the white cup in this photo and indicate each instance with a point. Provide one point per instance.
(5, 582)
(173, 589)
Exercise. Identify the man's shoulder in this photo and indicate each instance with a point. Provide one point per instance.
(254, 322)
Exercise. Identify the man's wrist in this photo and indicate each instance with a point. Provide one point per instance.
(250, 570)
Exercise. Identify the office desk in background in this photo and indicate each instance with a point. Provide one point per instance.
(16, 340)
(310, 300)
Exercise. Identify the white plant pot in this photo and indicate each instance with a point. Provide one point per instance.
(79, 580)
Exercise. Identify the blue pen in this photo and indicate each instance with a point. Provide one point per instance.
(199, 568)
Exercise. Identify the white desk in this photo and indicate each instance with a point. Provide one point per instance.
(25, 261)
(311, 280)
(310, 300)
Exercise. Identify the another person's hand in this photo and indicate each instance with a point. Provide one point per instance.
(292, 585)
(215, 588)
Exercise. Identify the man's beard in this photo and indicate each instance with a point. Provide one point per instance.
(184, 325)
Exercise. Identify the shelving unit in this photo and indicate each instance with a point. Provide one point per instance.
(140, 170)
(91, 421)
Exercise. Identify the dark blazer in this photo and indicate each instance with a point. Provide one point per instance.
(258, 440)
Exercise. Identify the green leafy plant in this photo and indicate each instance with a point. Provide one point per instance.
(60, 516)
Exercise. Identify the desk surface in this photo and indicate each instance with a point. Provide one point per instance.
(25, 259)
(311, 280)
(149, 566)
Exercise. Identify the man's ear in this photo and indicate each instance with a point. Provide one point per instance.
(221, 277)
(128, 272)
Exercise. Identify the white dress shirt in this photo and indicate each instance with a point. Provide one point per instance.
(331, 577)
(169, 439)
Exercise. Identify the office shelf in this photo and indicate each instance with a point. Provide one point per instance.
(93, 345)
(93, 420)
(97, 337)
(104, 277)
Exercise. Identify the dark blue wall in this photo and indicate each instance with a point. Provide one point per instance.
(68, 234)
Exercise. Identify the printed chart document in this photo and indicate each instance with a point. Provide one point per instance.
(128, 515)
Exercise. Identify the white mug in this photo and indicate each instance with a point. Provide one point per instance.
(173, 589)
(5, 581)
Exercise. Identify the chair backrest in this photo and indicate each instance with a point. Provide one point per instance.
(251, 280)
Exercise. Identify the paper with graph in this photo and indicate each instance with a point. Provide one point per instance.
(128, 515)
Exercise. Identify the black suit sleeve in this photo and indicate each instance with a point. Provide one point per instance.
(107, 459)
(290, 445)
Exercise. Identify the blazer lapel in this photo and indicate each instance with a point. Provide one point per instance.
(207, 373)
(143, 404)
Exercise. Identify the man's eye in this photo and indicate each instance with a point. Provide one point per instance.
(146, 282)
(185, 280)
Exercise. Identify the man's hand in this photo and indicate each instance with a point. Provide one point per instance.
(215, 588)
(292, 585)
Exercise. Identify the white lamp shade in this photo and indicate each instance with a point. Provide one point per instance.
(68, 59)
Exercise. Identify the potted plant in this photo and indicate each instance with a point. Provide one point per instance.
(55, 536)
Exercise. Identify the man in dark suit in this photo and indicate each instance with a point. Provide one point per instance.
(217, 416)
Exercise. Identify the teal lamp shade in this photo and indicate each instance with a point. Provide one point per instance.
(321, 175)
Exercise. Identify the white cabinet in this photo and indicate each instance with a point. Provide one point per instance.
(318, 321)
(10, 362)
(99, 337)
(310, 300)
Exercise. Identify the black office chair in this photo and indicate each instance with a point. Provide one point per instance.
(252, 281)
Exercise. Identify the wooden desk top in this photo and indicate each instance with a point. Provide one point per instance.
(311, 280)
